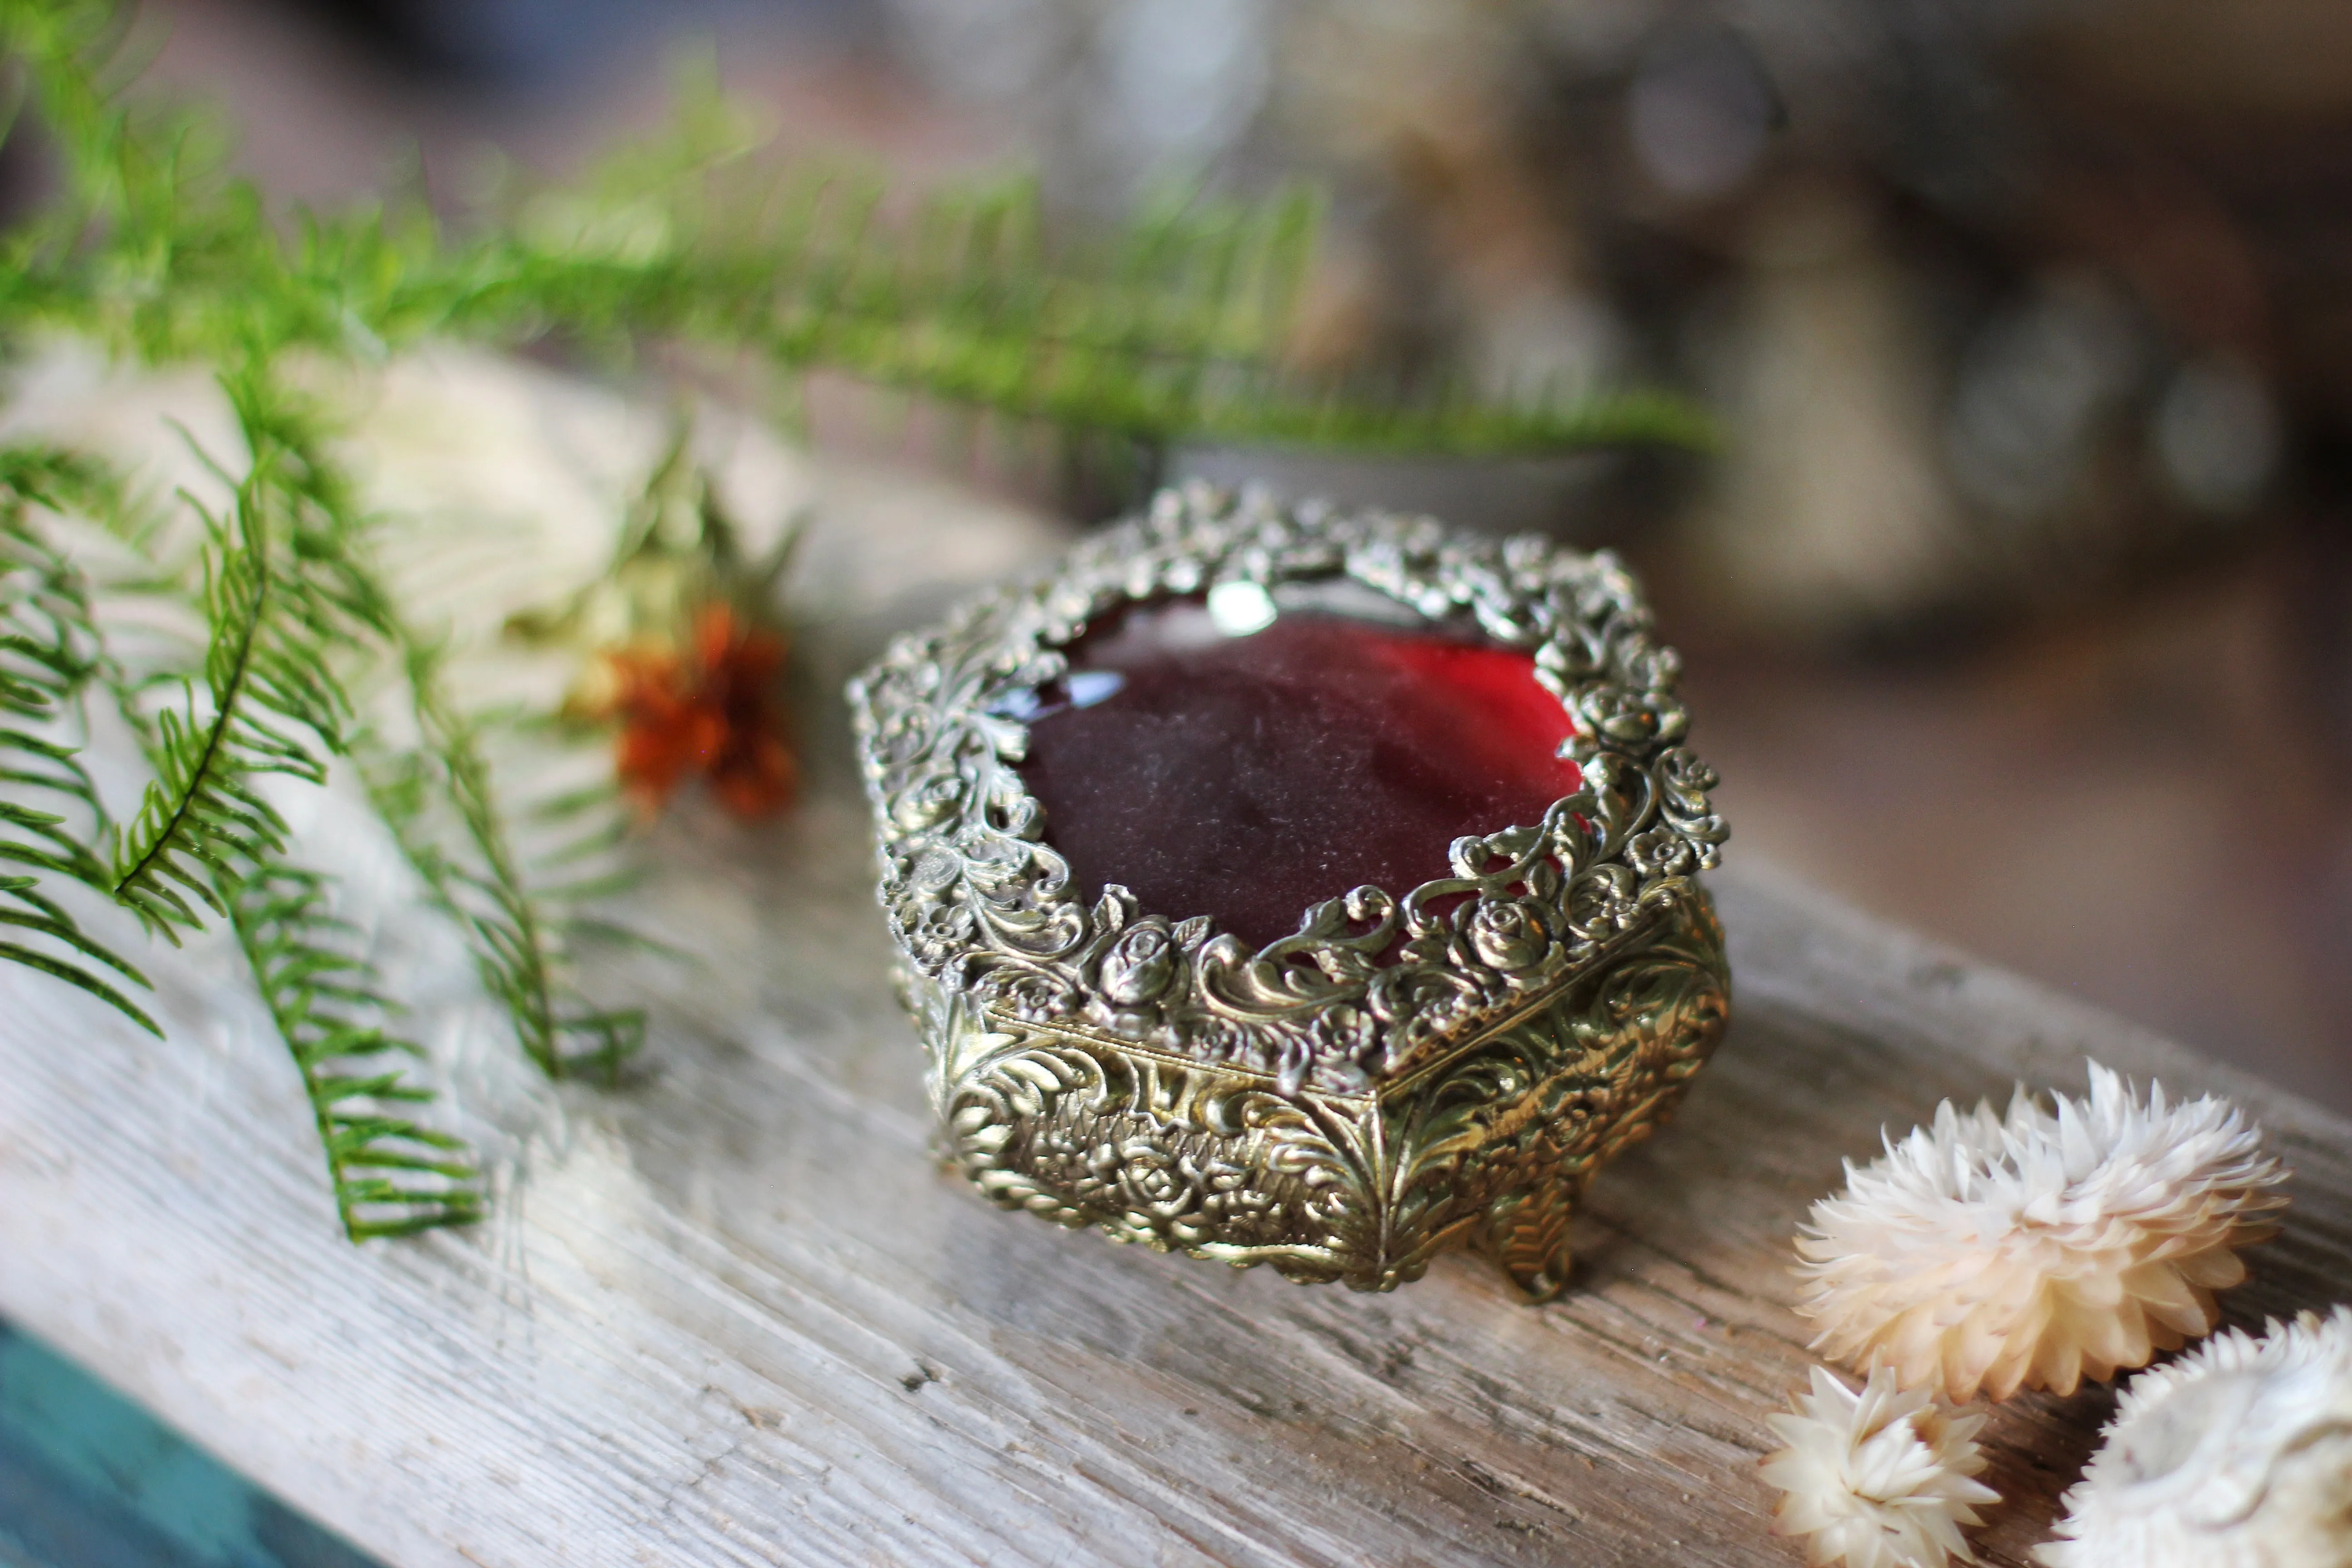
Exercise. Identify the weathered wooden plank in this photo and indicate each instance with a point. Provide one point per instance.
(736, 1315)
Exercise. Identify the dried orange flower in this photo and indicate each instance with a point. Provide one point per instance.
(709, 714)
(680, 655)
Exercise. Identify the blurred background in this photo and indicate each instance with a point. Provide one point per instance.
(2018, 602)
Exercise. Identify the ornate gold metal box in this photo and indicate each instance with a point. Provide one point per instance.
(1403, 1073)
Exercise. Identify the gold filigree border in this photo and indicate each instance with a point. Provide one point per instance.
(1372, 985)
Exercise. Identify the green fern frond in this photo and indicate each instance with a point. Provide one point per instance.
(1170, 326)
(283, 590)
(203, 821)
(392, 1174)
(521, 931)
(50, 649)
(1174, 326)
(329, 583)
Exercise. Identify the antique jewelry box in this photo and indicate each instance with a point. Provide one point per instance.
(1290, 887)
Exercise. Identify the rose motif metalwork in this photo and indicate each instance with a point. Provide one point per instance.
(1407, 1072)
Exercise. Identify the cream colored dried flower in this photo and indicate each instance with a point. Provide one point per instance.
(1991, 1253)
(2236, 1456)
(1879, 1479)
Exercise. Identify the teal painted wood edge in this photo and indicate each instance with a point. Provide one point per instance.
(88, 1479)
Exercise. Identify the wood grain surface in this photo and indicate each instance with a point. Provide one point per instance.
(735, 1313)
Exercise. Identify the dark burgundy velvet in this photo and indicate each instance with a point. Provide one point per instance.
(1246, 778)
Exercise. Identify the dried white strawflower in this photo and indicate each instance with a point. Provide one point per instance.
(1879, 1479)
(1991, 1253)
(2237, 1456)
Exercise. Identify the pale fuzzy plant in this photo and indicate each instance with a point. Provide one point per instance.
(1986, 1254)
(1879, 1479)
(2238, 1455)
